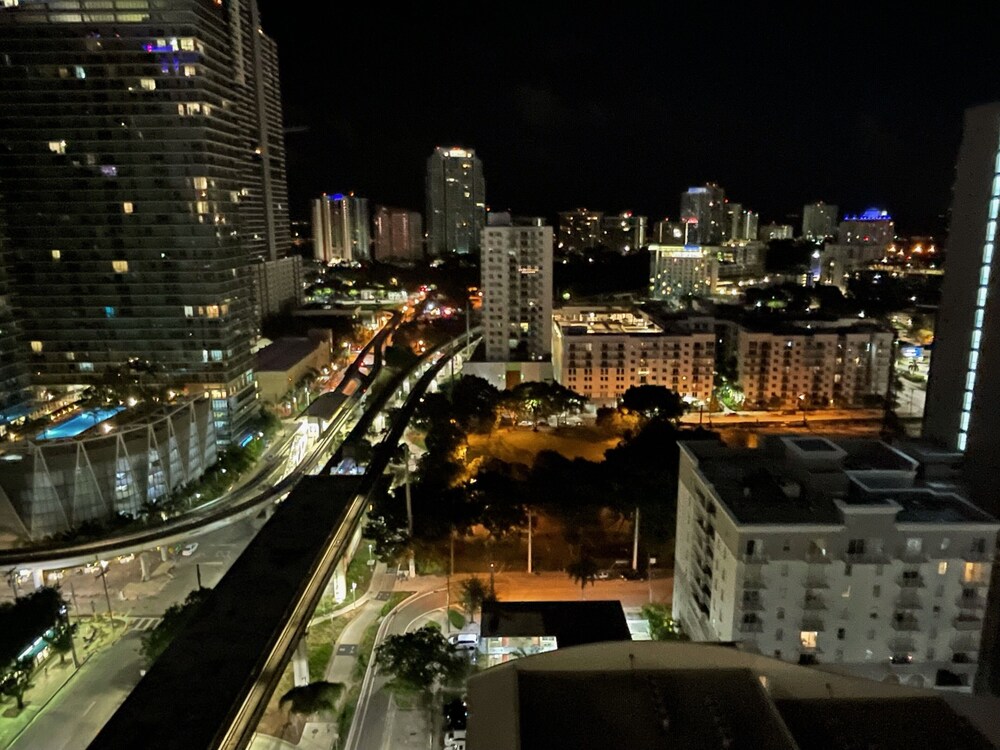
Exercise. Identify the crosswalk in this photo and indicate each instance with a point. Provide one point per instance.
(142, 623)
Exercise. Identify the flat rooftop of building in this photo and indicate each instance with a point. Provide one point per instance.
(284, 354)
(190, 695)
(325, 405)
(749, 482)
(691, 709)
(572, 623)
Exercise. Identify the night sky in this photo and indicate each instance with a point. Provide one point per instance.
(613, 108)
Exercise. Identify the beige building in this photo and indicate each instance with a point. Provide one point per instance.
(282, 365)
(677, 271)
(601, 352)
(833, 551)
(812, 366)
(838, 262)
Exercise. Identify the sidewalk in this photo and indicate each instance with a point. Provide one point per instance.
(50, 678)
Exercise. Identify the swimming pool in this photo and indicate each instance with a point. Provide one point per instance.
(78, 423)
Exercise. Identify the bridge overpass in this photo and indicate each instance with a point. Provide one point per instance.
(244, 502)
(211, 686)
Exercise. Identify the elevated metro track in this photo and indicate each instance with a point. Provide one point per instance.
(210, 688)
(243, 502)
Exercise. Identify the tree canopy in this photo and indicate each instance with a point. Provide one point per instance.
(26, 619)
(654, 401)
(312, 698)
(662, 626)
(420, 661)
(175, 619)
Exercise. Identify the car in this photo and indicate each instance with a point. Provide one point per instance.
(456, 714)
(603, 575)
(464, 641)
(123, 559)
(189, 549)
(454, 739)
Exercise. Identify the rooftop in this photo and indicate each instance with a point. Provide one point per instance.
(800, 480)
(284, 354)
(572, 623)
(650, 694)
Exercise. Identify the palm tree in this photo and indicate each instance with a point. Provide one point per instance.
(583, 571)
(474, 593)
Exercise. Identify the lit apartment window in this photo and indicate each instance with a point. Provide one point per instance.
(120, 266)
(36, 347)
(973, 572)
(200, 183)
(189, 70)
(56, 254)
(57, 147)
(942, 568)
(808, 638)
(147, 84)
(188, 311)
(127, 207)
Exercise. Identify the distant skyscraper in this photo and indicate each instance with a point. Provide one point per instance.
(517, 288)
(399, 234)
(705, 208)
(774, 231)
(873, 225)
(677, 271)
(667, 232)
(144, 174)
(739, 225)
(579, 229)
(964, 386)
(625, 232)
(819, 221)
(340, 228)
(456, 201)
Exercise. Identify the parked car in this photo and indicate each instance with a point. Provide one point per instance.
(454, 739)
(189, 549)
(456, 714)
(462, 641)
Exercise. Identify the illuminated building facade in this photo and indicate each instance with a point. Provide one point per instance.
(677, 271)
(579, 229)
(456, 201)
(624, 232)
(399, 234)
(144, 174)
(517, 289)
(819, 221)
(340, 228)
(704, 209)
(964, 383)
(873, 225)
(601, 352)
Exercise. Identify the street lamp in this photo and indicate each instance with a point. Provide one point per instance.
(354, 594)
(369, 552)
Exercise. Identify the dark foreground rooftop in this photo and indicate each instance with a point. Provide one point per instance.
(572, 623)
(192, 693)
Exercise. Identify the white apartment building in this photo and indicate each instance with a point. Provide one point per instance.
(829, 550)
(812, 365)
(836, 263)
(601, 352)
(680, 270)
(517, 289)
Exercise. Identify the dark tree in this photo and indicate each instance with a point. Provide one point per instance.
(419, 662)
(312, 698)
(654, 401)
(474, 593)
(474, 403)
(583, 571)
(175, 619)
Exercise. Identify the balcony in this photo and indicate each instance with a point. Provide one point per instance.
(818, 558)
(754, 584)
(902, 645)
(812, 623)
(813, 604)
(967, 621)
(875, 557)
(817, 582)
(751, 627)
(905, 623)
(974, 555)
(909, 600)
(971, 602)
(756, 558)
(753, 605)
(965, 657)
(911, 582)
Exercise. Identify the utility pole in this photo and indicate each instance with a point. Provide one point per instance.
(107, 596)
(529, 541)
(409, 509)
(635, 541)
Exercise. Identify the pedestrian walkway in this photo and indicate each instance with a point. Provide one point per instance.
(49, 678)
(341, 665)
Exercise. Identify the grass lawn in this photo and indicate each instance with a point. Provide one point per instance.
(522, 444)
(321, 639)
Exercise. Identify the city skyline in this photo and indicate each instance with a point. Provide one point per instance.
(779, 113)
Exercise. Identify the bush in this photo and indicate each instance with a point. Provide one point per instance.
(456, 618)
